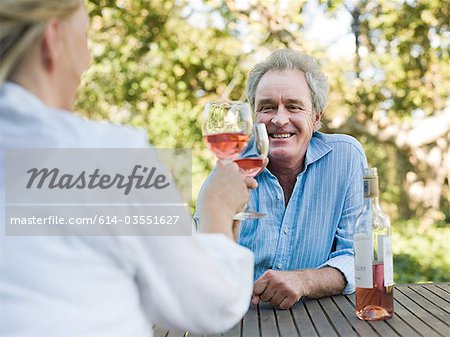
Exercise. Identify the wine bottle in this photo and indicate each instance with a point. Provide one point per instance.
(373, 256)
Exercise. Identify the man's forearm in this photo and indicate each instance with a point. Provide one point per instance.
(322, 282)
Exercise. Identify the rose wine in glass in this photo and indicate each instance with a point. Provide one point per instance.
(250, 166)
(253, 164)
(227, 145)
(227, 127)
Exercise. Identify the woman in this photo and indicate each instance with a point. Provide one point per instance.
(102, 286)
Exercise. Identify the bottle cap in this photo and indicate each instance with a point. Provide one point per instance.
(370, 182)
(370, 172)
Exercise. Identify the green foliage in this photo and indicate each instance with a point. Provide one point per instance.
(153, 69)
(420, 257)
(401, 75)
(399, 37)
(155, 65)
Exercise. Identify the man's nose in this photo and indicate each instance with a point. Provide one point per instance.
(281, 118)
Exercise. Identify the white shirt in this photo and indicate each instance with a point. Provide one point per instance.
(108, 286)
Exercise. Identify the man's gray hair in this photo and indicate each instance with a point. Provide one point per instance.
(286, 59)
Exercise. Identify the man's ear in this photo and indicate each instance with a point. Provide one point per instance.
(51, 44)
(317, 118)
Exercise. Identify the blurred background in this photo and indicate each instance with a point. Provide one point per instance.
(156, 63)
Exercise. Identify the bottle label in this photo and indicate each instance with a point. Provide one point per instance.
(370, 187)
(366, 187)
(388, 261)
(363, 260)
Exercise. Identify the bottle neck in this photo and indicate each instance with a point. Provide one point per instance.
(371, 192)
(371, 187)
(372, 202)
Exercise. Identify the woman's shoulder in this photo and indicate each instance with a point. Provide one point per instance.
(27, 120)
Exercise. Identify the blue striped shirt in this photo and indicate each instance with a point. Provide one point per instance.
(315, 229)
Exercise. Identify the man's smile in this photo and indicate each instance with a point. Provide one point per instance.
(283, 135)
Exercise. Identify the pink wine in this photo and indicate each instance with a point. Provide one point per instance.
(250, 166)
(227, 145)
(375, 303)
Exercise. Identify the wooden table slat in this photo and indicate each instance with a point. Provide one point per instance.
(158, 331)
(286, 323)
(420, 310)
(319, 319)
(406, 324)
(383, 328)
(417, 324)
(361, 327)
(433, 298)
(268, 320)
(250, 325)
(235, 331)
(305, 326)
(444, 286)
(426, 304)
(178, 333)
(174, 333)
(186, 333)
(425, 316)
(339, 320)
(438, 291)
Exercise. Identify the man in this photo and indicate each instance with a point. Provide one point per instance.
(311, 189)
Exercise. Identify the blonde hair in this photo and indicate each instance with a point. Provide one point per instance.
(22, 23)
(286, 59)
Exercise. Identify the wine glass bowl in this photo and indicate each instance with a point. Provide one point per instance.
(252, 164)
(227, 127)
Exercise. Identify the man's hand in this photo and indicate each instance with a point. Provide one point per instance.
(284, 288)
(281, 288)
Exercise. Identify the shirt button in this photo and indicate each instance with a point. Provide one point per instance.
(279, 266)
(279, 196)
(286, 231)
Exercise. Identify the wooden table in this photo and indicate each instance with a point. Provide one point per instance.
(420, 310)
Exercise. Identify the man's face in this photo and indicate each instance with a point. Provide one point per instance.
(283, 103)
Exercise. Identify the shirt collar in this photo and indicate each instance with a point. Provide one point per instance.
(27, 104)
(18, 94)
(317, 149)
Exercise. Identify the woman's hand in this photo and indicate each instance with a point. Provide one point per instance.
(225, 195)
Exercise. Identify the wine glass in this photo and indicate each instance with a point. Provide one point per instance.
(227, 127)
(252, 164)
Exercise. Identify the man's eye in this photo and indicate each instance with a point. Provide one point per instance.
(265, 108)
(294, 107)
